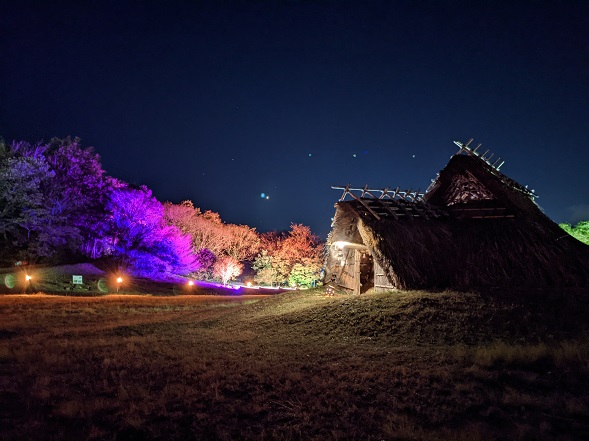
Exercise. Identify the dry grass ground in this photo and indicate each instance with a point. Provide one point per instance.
(297, 366)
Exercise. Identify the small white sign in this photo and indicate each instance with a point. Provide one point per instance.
(77, 280)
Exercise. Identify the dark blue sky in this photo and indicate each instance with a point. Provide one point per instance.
(221, 101)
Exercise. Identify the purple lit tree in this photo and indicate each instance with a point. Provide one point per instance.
(51, 197)
(142, 242)
(206, 260)
(78, 192)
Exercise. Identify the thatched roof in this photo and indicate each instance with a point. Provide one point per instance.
(474, 228)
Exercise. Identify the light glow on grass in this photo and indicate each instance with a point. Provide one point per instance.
(205, 284)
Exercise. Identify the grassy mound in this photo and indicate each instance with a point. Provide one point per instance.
(300, 365)
(409, 318)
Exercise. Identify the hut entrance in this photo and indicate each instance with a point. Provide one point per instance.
(366, 274)
(363, 272)
(356, 272)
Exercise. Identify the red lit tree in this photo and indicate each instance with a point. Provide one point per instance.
(239, 241)
(208, 231)
(296, 258)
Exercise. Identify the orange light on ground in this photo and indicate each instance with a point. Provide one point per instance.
(28, 278)
(119, 279)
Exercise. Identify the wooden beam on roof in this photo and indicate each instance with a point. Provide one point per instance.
(345, 189)
(431, 211)
(406, 212)
(365, 206)
(384, 192)
(388, 208)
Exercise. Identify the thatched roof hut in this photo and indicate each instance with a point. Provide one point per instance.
(473, 228)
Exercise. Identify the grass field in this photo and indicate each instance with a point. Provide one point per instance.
(294, 366)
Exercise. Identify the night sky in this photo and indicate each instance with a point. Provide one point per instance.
(219, 102)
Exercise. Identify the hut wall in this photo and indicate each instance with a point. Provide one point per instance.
(381, 282)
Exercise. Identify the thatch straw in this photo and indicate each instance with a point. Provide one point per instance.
(526, 250)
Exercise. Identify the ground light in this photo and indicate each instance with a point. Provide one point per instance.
(28, 279)
(119, 281)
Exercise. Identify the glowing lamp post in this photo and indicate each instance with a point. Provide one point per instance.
(119, 281)
(28, 278)
(190, 284)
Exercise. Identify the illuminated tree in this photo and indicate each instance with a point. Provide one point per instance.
(580, 231)
(77, 193)
(208, 231)
(142, 242)
(295, 257)
(270, 270)
(300, 244)
(53, 197)
(22, 212)
(182, 215)
(205, 259)
(227, 268)
(203, 228)
(271, 240)
(239, 241)
(306, 274)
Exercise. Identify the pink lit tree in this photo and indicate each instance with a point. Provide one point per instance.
(227, 268)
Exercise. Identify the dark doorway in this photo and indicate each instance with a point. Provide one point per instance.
(366, 272)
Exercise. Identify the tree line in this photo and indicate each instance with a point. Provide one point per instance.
(57, 204)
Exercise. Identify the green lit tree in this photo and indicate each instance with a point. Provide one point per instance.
(580, 231)
(270, 270)
(306, 274)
